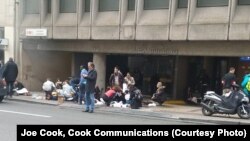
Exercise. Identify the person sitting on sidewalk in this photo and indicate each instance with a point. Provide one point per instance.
(135, 97)
(58, 84)
(108, 96)
(160, 95)
(68, 92)
(20, 89)
(48, 87)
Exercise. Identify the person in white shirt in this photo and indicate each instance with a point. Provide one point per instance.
(48, 87)
(68, 91)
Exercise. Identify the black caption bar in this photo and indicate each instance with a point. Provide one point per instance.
(70, 132)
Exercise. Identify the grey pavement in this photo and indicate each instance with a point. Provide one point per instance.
(13, 113)
(181, 112)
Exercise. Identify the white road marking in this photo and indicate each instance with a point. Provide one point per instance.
(28, 114)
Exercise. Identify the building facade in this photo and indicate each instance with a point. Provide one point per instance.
(7, 28)
(166, 40)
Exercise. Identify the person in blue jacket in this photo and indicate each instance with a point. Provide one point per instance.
(245, 84)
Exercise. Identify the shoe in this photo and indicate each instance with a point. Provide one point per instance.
(91, 111)
(85, 111)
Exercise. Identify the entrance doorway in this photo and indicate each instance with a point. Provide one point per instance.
(147, 70)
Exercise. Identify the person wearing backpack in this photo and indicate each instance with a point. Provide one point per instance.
(245, 84)
(135, 97)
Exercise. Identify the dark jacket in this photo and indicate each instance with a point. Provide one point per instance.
(10, 71)
(18, 85)
(112, 79)
(135, 97)
(228, 79)
(91, 81)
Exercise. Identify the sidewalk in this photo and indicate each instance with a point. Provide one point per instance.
(182, 112)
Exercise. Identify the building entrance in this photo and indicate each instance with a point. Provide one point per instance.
(146, 70)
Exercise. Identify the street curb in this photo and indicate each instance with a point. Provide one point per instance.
(220, 122)
(33, 102)
(143, 113)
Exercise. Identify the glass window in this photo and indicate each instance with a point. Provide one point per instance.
(182, 3)
(87, 6)
(1, 32)
(32, 6)
(49, 6)
(131, 5)
(244, 2)
(108, 5)
(212, 3)
(156, 4)
(67, 6)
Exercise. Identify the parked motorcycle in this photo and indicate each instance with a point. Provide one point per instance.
(236, 102)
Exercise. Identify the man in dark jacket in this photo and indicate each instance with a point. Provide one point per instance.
(90, 88)
(10, 74)
(116, 78)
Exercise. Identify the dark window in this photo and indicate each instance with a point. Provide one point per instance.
(212, 3)
(131, 5)
(108, 5)
(87, 6)
(32, 6)
(1, 32)
(67, 6)
(156, 4)
(49, 6)
(244, 2)
(182, 3)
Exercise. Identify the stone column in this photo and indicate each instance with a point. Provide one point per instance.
(99, 60)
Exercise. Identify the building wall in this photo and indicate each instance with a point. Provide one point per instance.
(38, 65)
(6, 21)
(191, 23)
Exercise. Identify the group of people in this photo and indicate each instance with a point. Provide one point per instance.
(87, 84)
(123, 89)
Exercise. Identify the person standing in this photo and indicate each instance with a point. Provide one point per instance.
(90, 88)
(116, 78)
(228, 80)
(245, 84)
(10, 74)
(82, 84)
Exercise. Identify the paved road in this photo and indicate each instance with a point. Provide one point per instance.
(13, 113)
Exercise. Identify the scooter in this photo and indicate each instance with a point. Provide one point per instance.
(235, 102)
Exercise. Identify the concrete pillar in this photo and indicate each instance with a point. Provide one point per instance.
(99, 60)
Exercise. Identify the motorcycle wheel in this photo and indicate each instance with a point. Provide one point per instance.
(205, 112)
(241, 114)
(1, 98)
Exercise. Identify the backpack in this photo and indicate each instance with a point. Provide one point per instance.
(138, 94)
(248, 85)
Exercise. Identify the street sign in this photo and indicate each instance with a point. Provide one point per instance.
(4, 42)
(36, 32)
(245, 59)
